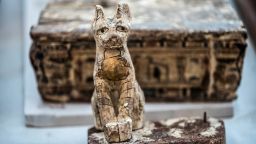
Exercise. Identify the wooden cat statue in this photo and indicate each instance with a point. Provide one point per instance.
(117, 101)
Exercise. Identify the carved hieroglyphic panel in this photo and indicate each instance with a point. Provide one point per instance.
(167, 72)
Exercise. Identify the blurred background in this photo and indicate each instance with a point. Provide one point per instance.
(16, 18)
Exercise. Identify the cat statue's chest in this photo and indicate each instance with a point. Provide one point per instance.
(114, 67)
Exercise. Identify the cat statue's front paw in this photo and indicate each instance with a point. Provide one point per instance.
(111, 132)
(118, 131)
(125, 128)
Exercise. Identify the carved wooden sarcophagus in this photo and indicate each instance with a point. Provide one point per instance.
(182, 50)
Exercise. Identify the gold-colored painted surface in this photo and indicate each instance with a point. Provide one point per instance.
(115, 68)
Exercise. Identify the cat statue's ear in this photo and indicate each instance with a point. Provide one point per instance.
(123, 11)
(99, 14)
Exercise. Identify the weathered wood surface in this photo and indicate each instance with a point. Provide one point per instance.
(182, 50)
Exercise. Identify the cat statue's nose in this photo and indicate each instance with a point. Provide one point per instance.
(114, 39)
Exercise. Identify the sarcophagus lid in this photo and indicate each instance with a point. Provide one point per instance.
(182, 50)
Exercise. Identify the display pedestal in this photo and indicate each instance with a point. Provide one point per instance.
(172, 131)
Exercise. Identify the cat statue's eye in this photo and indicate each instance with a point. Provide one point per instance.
(121, 28)
(102, 30)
